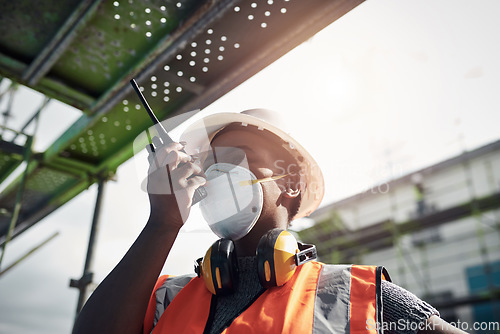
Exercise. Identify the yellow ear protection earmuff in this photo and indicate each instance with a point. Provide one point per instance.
(278, 255)
(219, 267)
(276, 258)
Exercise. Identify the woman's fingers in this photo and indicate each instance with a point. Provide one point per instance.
(172, 170)
(187, 170)
(196, 181)
(185, 173)
(170, 155)
(176, 158)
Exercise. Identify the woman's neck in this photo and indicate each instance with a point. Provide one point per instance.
(247, 246)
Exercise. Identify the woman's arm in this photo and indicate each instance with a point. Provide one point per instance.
(119, 303)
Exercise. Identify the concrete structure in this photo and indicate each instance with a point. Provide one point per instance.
(436, 230)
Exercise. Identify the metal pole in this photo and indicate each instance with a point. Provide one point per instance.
(28, 151)
(82, 283)
(34, 117)
(8, 112)
(19, 197)
(34, 249)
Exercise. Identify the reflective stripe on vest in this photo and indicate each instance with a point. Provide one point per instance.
(317, 299)
(166, 293)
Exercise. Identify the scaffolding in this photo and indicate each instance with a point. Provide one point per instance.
(184, 55)
(435, 236)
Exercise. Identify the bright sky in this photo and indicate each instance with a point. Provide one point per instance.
(393, 86)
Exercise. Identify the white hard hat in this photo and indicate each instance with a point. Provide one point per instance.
(199, 135)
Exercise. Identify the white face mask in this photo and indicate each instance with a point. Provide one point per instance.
(234, 201)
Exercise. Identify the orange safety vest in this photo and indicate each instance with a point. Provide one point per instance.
(318, 298)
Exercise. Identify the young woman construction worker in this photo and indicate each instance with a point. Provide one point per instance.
(256, 278)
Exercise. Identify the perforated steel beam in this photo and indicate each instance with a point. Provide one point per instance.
(329, 12)
(13, 69)
(165, 50)
(52, 51)
(185, 54)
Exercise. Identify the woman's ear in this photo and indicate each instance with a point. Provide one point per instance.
(291, 198)
(291, 193)
(290, 187)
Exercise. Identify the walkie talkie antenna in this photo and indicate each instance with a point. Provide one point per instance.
(200, 192)
(159, 127)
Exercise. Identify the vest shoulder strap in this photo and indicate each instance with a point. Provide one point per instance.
(332, 303)
(188, 311)
(348, 299)
(166, 288)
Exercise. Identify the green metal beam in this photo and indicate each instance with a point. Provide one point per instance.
(166, 48)
(58, 45)
(13, 69)
(92, 73)
(170, 45)
(68, 194)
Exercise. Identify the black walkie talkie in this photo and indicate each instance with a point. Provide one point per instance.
(200, 193)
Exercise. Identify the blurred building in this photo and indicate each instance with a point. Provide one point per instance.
(437, 231)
